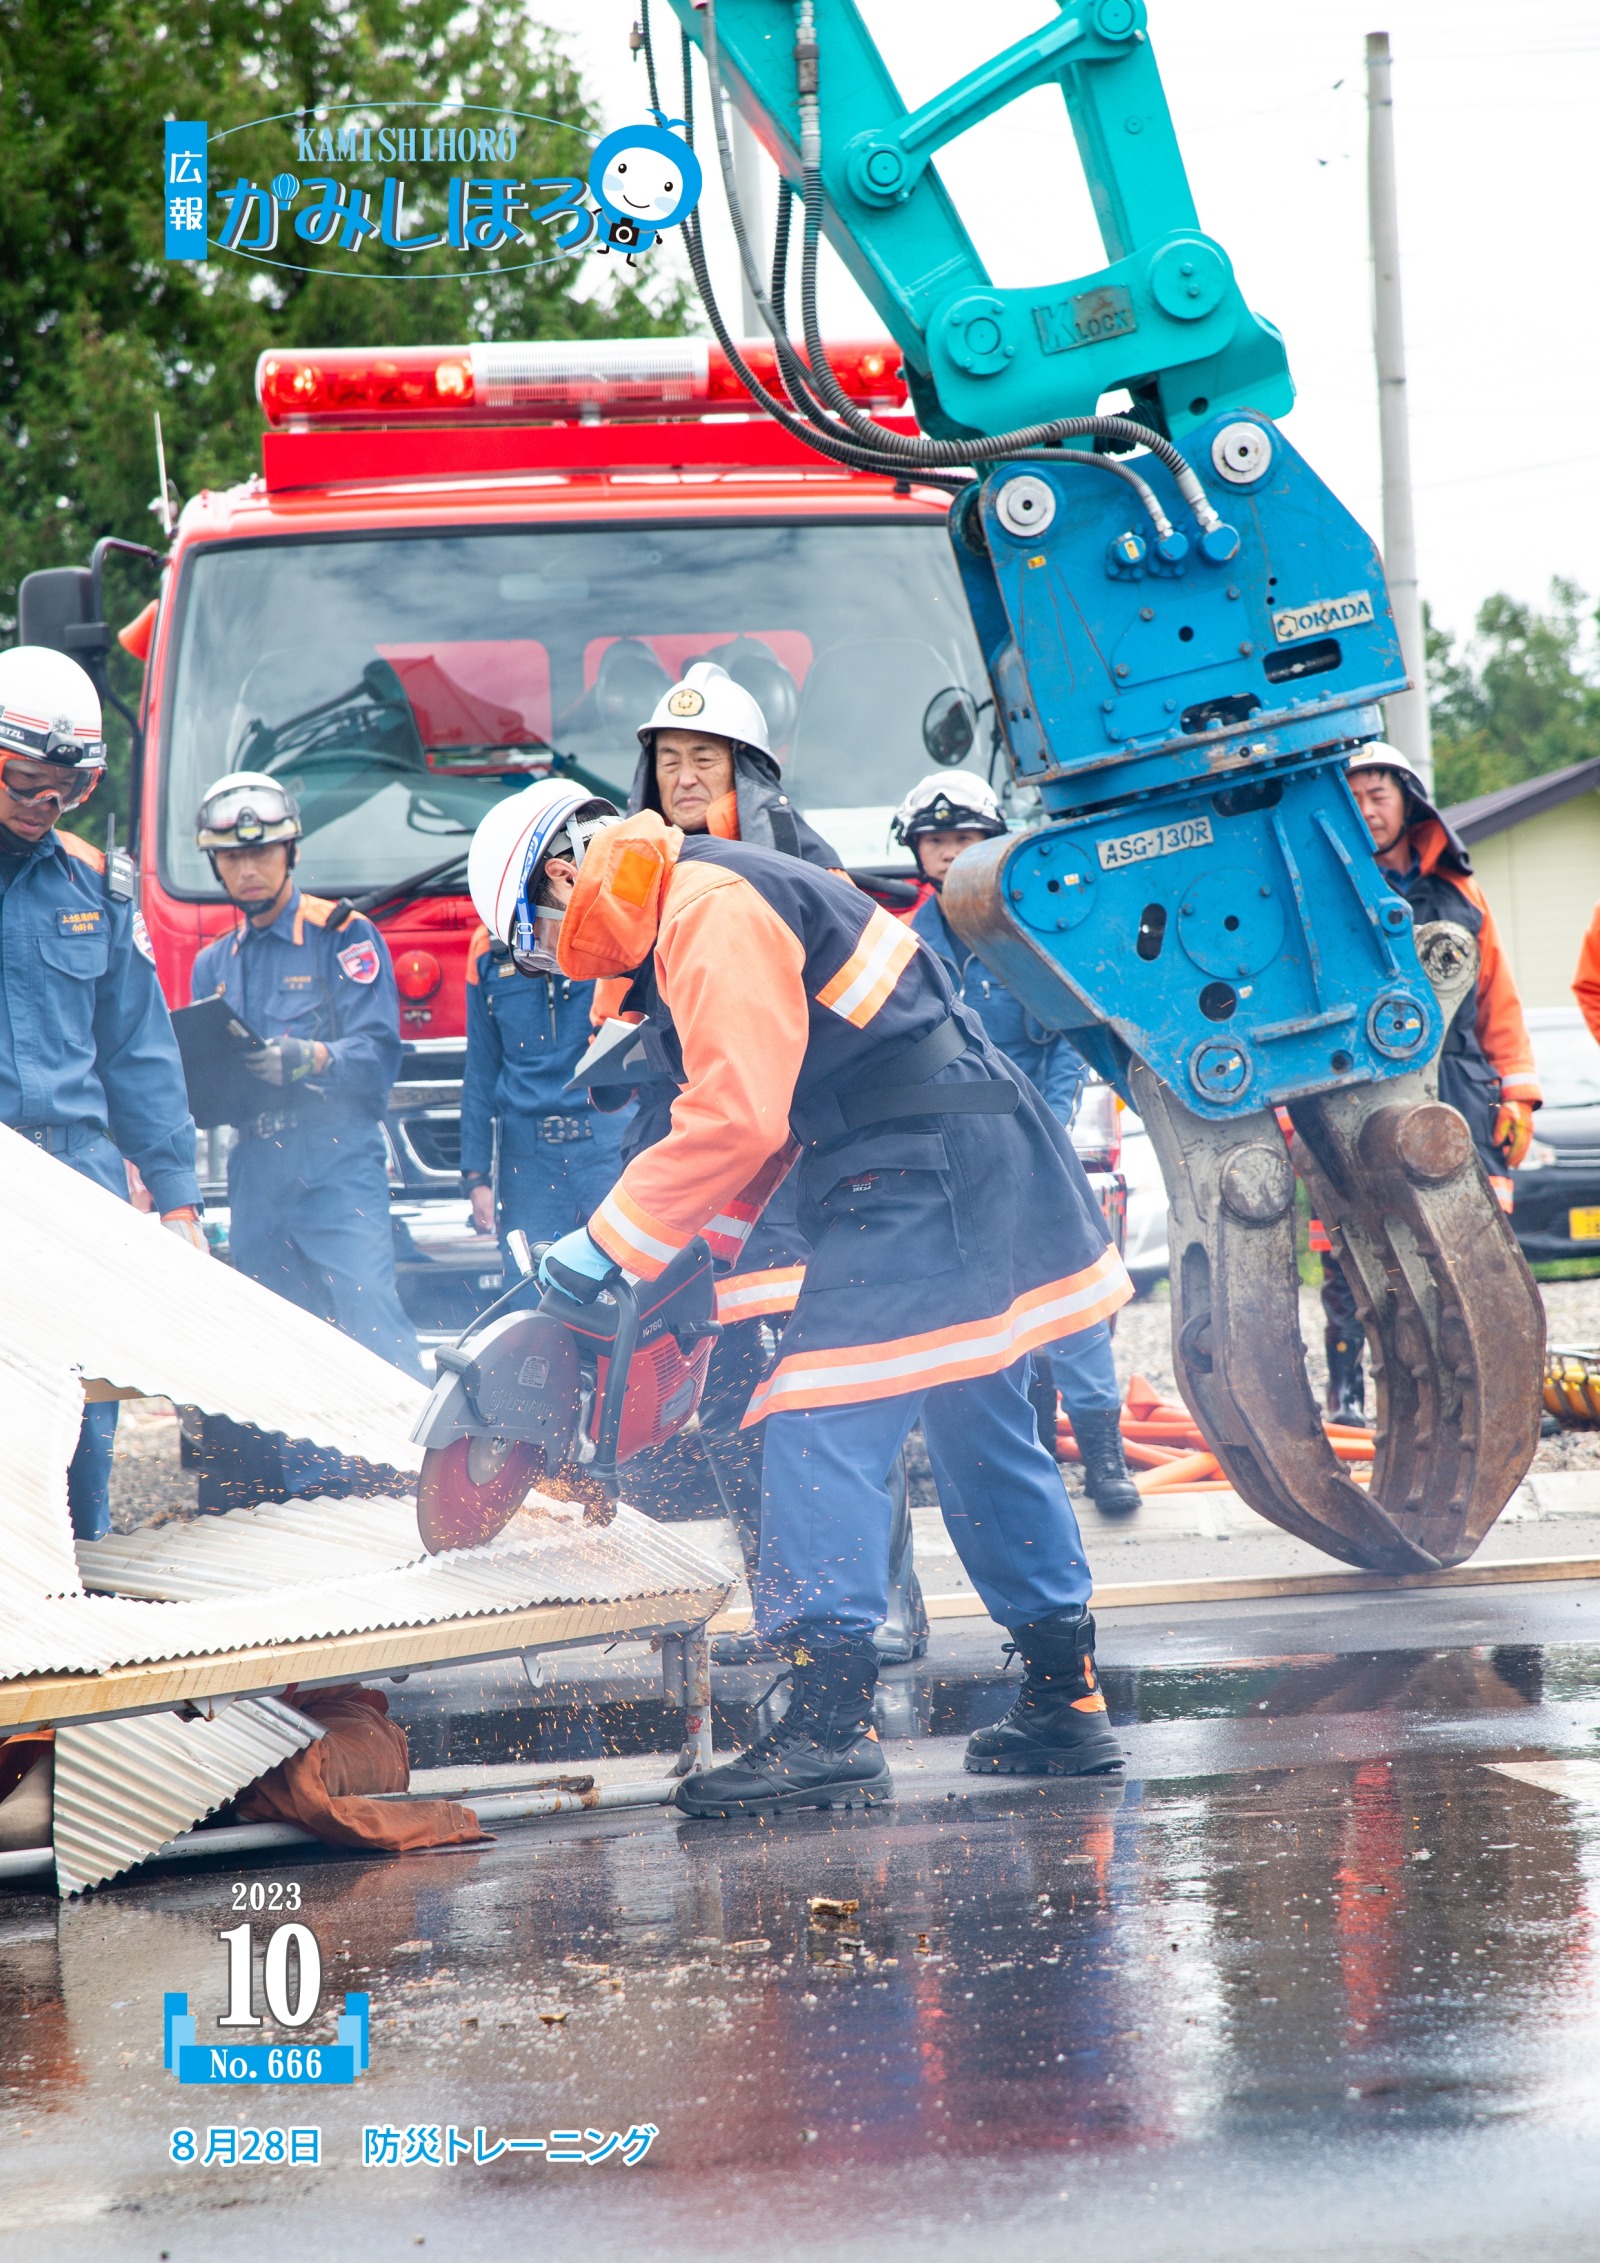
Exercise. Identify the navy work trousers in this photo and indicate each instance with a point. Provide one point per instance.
(826, 1512)
(548, 1187)
(310, 1219)
(1083, 1371)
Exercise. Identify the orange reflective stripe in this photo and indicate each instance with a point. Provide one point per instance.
(628, 1233)
(750, 1296)
(885, 950)
(858, 1372)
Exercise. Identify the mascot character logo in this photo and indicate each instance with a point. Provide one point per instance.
(644, 179)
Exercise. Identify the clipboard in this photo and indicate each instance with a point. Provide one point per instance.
(212, 1043)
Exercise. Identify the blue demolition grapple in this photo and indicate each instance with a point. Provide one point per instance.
(1205, 917)
(1186, 634)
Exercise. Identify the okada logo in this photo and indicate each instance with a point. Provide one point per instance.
(406, 192)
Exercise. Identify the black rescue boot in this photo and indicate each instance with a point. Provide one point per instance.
(1347, 1388)
(903, 1635)
(1105, 1470)
(1058, 1725)
(823, 1753)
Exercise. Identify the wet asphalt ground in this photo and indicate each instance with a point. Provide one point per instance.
(1320, 1980)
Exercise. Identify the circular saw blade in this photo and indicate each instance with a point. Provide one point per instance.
(471, 1489)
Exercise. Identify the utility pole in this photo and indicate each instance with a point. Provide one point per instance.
(1407, 714)
(747, 178)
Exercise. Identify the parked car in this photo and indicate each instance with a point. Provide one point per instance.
(1556, 1194)
(1145, 1254)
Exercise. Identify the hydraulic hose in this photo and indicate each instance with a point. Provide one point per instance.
(819, 379)
(824, 437)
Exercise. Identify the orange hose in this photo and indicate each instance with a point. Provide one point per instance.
(1176, 1474)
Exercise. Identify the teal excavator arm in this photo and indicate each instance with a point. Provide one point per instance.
(1164, 318)
(1185, 633)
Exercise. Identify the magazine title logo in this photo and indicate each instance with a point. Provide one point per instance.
(380, 182)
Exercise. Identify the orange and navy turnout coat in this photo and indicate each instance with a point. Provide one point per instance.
(788, 988)
(1487, 1055)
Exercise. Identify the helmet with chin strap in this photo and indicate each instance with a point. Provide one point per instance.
(1378, 754)
(506, 861)
(948, 802)
(50, 713)
(244, 810)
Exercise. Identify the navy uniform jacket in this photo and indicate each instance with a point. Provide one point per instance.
(525, 1036)
(1043, 1055)
(85, 1037)
(302, 977)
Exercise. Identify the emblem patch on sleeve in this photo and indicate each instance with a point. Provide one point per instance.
(141, 936)
(360, 961)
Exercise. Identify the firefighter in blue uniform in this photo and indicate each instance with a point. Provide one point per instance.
(308, 1181)
(940, 817)
(558, 1155)
(89, 1067)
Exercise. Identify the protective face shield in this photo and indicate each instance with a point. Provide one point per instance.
(948, 802)
(50, 730)
(506, 859)
(244, 810)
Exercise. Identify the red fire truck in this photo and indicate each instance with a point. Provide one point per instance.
(462, 568)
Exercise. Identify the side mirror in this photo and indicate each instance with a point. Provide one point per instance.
(950, 725)
(57, 607)
(521, 1254)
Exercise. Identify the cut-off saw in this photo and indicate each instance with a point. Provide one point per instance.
(562, 1396)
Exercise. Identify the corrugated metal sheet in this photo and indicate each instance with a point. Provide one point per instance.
(276, 1545)
(537, 1560)
(124, 1788)
(164, 1321)
(40, 1408)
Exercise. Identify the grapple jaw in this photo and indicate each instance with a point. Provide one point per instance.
(1453, 1319)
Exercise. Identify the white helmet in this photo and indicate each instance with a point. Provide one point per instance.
(50, 711)
(706, 698)
(956, 801)
(507, 850)
(245, 809)
(1378, 754)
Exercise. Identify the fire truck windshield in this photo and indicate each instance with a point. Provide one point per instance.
(399, 684)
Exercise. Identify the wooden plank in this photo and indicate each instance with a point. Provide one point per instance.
(1127, 1595)
(42, 1700)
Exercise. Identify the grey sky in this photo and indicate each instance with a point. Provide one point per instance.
(1494, 109)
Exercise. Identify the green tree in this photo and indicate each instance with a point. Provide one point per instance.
(98, 330)
(1520, 698)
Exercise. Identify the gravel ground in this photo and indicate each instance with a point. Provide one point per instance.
(1143, 1346)
(149, 1486)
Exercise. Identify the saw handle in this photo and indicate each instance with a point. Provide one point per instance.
(619, 1358)
(583, 1288)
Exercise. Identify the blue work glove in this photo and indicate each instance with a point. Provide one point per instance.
(575, 1253)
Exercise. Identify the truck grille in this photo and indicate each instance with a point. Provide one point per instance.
(434, 1139)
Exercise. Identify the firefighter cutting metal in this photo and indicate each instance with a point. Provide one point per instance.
(818, 1034)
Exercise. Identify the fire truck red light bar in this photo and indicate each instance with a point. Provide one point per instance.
(512, 383)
